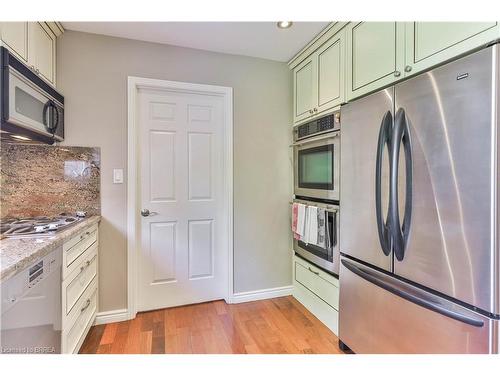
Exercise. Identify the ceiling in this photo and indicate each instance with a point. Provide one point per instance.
(256, 39)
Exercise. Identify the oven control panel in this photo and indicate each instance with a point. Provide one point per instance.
(322, 125)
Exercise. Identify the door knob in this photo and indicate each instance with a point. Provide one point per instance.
(145, 212)
(407, 68)
(397, 73)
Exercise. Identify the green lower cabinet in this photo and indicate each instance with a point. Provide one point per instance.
(375, 56)
(318, 291)
(432, 43)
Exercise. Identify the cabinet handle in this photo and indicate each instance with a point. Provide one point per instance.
(397, 73)
(84, 235)
(316, 273)
(86, 306)
(407, 68)
(87, 264)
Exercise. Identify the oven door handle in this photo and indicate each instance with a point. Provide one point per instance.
(314, 139)
(334, 229)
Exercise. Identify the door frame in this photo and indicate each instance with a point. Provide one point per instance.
(133, 199)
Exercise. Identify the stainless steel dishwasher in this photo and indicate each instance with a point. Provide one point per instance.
(31, 308)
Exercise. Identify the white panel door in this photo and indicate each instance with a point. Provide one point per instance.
(181, 259)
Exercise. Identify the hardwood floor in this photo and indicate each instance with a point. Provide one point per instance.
(279, 325)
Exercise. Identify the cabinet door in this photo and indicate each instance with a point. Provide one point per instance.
(431, 43)
(330, 79)
(41, 51)
(375, 56)
(15, 37)
(303, 90)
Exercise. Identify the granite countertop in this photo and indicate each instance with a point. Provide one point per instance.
(18, 253)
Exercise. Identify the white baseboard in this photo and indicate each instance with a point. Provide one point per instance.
(256, 295)
(111, 316)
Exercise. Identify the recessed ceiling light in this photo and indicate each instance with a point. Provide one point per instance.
(284, 24)
(21, 137)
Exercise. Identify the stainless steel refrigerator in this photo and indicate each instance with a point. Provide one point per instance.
(419, 229)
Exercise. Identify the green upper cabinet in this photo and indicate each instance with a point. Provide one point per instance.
(303, 80)
(318, 80)
(431, 43)
(375, 56)
(330, 81)
(351, 59)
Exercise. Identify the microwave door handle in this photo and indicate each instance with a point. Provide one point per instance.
(55, 123)
(44, 114)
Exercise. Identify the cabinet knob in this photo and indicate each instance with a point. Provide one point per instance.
(315, 109)
(397, 73)
(311, 111)
(407, 68)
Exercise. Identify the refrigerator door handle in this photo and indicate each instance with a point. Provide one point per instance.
(384, 139)
(401, 136)
(423, 299)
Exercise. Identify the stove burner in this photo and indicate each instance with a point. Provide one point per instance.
(41, 226)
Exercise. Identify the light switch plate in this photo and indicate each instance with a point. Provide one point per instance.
(118, 176)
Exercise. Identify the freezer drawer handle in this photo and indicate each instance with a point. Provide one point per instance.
(431, 305)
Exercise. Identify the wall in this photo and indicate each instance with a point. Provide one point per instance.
(92, 74)
(47, 181)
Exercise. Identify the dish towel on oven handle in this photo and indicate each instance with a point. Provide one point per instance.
(301, 221)
(321, 242)
(311, 233)
(295, 212)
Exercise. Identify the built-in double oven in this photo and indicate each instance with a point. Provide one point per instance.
(316, 154)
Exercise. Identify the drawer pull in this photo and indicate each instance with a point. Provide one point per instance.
(87, 263)
(316, 273)
(84, 235)
(86, 306)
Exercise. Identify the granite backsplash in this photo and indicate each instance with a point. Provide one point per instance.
(41, 180)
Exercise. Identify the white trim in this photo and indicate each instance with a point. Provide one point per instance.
(134, 83)
(111, 316)
(256, 295)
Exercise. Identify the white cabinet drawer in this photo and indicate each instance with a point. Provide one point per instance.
(76, 323)
(76, 247)
(318, 282)
(76, 283)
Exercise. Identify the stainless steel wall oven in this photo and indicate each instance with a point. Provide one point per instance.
(328, 257)
(317, 158)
